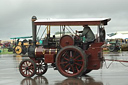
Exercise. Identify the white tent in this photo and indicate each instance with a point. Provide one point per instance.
(107, 37)
(118, 36)
(125, 36)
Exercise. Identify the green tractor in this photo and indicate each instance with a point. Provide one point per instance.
(114, 46)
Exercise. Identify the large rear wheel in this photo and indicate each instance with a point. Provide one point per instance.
(71, 61)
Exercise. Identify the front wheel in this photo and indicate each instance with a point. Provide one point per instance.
(27, 68)
(71, 61)
(41, 67)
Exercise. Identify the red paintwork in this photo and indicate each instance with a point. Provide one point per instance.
(39, 51)
(49, 58)
(69, 23)
(47, 53)
(95, 56)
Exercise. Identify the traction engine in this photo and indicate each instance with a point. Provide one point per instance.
(65, 54)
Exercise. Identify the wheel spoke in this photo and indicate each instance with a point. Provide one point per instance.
(27, 72)
(30, 67)
(65, 54)
(79, 60)
(23, 67)
(66, 65)
(25, 64)
(68, 70)
(77, 57)
(74, 53)
(77, 69)
(63, 62)
(78, 64)
(30, 71)
(72, 69)
(28, 63)
(70, 54)
(66, 59)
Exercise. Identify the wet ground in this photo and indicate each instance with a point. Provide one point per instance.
(112, 73)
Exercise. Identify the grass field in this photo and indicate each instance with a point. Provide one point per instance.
(5, 51)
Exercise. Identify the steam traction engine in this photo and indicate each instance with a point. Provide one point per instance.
(66, 53)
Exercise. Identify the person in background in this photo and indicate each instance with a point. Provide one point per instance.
(125, 41)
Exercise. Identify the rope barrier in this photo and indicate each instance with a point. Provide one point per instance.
(108, 65)
(124, 65)
(113, 61)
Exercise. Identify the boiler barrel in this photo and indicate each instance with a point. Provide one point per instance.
(41, 51)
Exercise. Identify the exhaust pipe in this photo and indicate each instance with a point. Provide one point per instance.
(34, 30)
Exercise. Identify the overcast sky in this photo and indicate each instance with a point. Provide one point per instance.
(15, 15)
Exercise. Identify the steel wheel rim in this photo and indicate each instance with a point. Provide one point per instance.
(27, 68)
(68, 65)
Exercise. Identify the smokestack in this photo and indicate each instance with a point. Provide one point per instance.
(34, 30)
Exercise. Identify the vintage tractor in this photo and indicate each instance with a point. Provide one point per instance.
(114, 46)
(21, 46)
(64, 53)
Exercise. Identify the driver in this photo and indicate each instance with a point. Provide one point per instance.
(89, 36)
